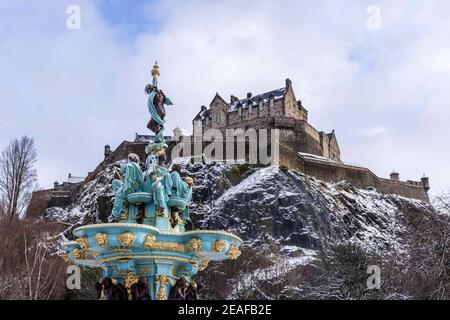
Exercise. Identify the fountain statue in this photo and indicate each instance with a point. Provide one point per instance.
(145, 252)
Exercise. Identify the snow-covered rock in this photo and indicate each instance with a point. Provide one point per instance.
(285, 219)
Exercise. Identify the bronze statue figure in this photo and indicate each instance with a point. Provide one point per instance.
(192, 291)
(158, 103)
(139, 290)
(99, 288)
(178, 291)
(110, 290)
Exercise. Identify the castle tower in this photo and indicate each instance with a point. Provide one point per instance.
(425, 182)
(107, 151)
(177, 133)
(395, 176)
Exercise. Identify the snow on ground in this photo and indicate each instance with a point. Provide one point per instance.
(279, 267)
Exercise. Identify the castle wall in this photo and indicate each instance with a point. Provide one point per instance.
(39, 202)
(334, 151)
(60, 197)
(121, 152)
(331, 171)
(251, 119)
(218, 109)
(325, 142)
(357, 176)
(291, 108)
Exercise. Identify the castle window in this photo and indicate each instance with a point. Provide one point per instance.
(250, 107)
(261, 106)
(271, 103)
(240, 111)
(207, 121)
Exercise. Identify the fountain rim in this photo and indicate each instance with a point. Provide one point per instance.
(162, 232)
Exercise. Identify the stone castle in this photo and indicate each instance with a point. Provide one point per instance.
(276, 109)
(302, 147)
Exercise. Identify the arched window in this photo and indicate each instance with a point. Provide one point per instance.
(239, 110)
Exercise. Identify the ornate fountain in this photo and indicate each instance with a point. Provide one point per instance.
(146, 250)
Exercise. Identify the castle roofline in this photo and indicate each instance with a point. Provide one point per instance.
(254, 100)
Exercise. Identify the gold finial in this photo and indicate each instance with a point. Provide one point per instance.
(155, 71)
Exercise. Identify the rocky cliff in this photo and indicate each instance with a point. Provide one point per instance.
(288, 222)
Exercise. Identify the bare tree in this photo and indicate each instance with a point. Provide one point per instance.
(30, 267)
(41, 270)
(17, 176)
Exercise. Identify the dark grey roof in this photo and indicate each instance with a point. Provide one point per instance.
(202, 114)
(254, 100)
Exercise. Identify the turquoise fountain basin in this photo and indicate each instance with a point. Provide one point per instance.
(109, 245)
(177, 203)
(140, 197)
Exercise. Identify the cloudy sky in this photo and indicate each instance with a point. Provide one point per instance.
(386, 91)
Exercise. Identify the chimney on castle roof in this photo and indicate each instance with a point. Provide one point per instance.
(202, 108)
(107, 151)
(249, 95)
(395, 176)
(233, 99)
(288, 83)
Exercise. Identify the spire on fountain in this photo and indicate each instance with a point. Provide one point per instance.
(155, 74)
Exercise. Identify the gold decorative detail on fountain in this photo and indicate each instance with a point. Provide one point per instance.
(195, 244)
(126, 238)
(189, 180)
(123, 216)
(78, 254)
(203, 264)
(101, 239)
(151, 244)
(162, 281)
(194, 262)
(219, 245)
(121, 250)
(233, 252)
(155, 71)
(129, 280)
(145, 270)
(149, 241)
(83, 242)
(65, 257)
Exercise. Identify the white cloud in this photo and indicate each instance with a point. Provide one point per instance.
(75, 91)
